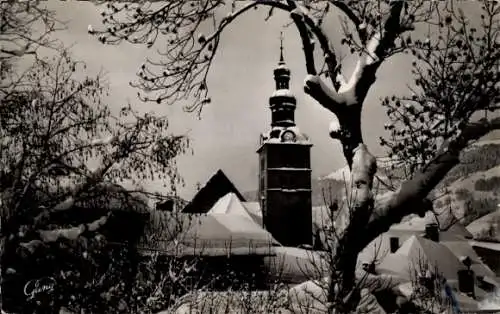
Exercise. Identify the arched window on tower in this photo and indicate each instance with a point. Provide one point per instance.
(282, 85)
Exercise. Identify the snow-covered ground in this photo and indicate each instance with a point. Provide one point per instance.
(491, 302)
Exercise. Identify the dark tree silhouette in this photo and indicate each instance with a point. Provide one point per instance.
(455, 71)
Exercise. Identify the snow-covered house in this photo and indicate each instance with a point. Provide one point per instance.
(226, 229)
(413, 250)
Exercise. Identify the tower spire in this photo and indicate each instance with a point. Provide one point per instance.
(282, 102)
(282, 60)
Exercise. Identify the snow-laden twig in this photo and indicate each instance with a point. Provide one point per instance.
(347, 93)
(64, 205)
(371, 50)
(341, 79)
(48, 236)
(93, 178)
(317, 88)
(103, 141)
(334, 128)
(349, 89)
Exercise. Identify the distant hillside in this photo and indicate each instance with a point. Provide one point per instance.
(474, 184)
(479, 157)
(486, 228)
(473, 195)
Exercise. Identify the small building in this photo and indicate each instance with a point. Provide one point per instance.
(417, 252)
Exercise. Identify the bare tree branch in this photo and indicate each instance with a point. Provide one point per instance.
(342, 6)
(307, 44)
(363, 76)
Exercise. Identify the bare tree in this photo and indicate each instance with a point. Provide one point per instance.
(25, 27)
(62, 148)
(456, 75)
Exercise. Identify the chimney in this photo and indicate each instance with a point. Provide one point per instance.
(432, 232)
(394, 244)
(466, 280)
(467, 261)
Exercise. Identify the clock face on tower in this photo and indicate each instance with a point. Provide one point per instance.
(288, 136)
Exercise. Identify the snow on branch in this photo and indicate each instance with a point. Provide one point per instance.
(334, 129)
(349, 89)
(103, 141)
(364, 167)
(348, 93)
(371, 50)
(64, 205)
(340, 79)
(357, 206)
(359, 196)
(48, 236)
(322, 93)
(372, 56)
(18, 52)
(303, 14)
(94, 177)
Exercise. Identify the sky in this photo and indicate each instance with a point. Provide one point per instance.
(241, 81)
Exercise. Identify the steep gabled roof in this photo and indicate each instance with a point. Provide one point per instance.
(218, 186)
(231, 204)
(254, 210)
(418, 251)
(220, 234)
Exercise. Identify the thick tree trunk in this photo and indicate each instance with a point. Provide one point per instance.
(350, 131)
(2, 250)
(343, 293)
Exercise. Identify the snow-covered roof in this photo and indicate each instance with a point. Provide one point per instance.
(417, 251)
(463, 248)
(282, 66)
(282, 93)
(222, 234)
(445, 256)
(379, 248)
(494, 246)
(465, 304)
(301, 138)
(254, 210)
(230, 204)
(228, 227)
(296, 265)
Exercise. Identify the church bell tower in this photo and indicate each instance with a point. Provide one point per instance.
(285, 168)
